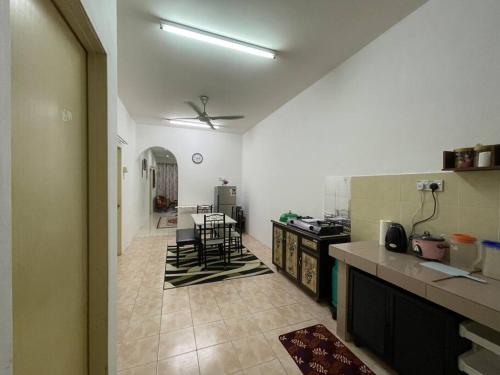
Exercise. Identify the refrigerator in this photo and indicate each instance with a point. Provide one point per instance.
(225, 199)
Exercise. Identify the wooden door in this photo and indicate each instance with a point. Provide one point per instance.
(291, 254)
(49, 193)
(278, 239)
(119, 176)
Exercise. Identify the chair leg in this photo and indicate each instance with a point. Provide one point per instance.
(177, 257)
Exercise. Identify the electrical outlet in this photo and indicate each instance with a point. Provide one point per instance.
(424, 185)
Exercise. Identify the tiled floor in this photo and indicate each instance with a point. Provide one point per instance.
(228, 327)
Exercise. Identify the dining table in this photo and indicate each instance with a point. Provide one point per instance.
(199, 219)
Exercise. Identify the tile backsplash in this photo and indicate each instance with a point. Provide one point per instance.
(470, 203)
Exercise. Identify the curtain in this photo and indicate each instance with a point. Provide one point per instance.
(166, 181)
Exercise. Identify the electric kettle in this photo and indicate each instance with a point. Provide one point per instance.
(395, 238)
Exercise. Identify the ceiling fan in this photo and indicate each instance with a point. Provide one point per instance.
(203, 116)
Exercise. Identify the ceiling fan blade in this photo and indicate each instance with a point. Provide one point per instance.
(210, 123)
(183, 118)
(195, 108)
(226, 117)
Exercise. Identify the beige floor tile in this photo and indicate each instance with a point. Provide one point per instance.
(198, 303)
(218, 360)
(255, 306)
(238, 328)
(269, 320)
(250, 308)
(211, 334)
(184, 364)
(148, 309)
(138, 329)
(234, 309)
(175, 292)
(205, 315)
(273, 367)
(290, 366)
(293, 314)
(176, 342)
(136, 353)
(227, 298)
(175, 304)
(253, 351)
(176, 320)
(149, 369)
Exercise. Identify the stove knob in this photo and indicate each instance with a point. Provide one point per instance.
(311, 227)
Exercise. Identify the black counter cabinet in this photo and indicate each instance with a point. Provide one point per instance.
(415, 336)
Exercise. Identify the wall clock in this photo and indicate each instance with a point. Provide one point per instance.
(197, 158)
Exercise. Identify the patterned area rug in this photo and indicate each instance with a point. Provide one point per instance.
(169, 221)
(318, 352)
(189, 273)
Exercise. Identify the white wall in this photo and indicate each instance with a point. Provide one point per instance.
(430, 83)
(5, 195)
(221, 153)
(135, 209)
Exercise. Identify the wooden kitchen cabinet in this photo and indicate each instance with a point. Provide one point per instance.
(303, 258)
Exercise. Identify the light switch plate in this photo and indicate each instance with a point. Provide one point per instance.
(424, 185)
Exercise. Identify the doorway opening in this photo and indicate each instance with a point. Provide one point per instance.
(163, 190)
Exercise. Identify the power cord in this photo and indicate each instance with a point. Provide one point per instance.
(433, 188)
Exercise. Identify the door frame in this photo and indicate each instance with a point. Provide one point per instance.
(119, 200)
(98, 206)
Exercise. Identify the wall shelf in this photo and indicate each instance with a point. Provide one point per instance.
(449, 162)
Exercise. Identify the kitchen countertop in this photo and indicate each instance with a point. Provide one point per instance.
(477, 301)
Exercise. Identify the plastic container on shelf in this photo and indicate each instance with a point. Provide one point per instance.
(464, 252)
(491, 259)
(464, 157)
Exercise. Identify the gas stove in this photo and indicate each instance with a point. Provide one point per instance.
(318, 227)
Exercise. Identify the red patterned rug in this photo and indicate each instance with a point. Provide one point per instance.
(318, 352)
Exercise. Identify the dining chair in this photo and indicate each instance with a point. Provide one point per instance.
(204, 208)
(213, 235)
(235, 236)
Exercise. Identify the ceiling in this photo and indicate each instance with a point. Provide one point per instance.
(163, 156)
(159, 71)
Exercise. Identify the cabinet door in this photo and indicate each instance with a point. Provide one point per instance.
(278, 246)
(291, 254)
(309, 272)
(419, 345)
(368, 321)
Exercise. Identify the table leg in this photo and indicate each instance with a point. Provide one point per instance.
(177, 257)
(342, 302)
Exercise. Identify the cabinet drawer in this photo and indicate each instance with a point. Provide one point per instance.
(310, 244)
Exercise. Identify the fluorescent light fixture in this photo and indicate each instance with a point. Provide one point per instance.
(193, 123)
(218, 40)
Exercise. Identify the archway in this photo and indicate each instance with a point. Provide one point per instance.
(163, 188)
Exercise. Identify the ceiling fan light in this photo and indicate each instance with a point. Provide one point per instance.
(192, 123)
(215, 39)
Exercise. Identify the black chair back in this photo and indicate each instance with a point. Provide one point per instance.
(204, 208)
(214, 226)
